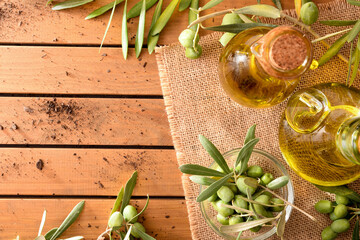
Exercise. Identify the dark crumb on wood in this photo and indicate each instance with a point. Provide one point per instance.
(40, 164)
(28, 109)
(89, 225)
(105, 159)
(1, 127)
(100, 184)
(104, 54)
(145, 64)
(167, 216)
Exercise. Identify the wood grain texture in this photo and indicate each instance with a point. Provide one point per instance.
(32, 22)
(76, 70)
(87, 172)
(94, 121)
(164, 219)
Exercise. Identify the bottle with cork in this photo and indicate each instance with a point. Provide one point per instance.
(319, 134)
(260, 67)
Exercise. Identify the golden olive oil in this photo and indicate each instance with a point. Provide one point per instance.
(319, 134)
(248, 73)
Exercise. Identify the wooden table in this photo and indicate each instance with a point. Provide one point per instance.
(90, 118)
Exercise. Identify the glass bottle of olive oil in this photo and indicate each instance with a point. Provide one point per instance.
(319, 134)
(261, 66)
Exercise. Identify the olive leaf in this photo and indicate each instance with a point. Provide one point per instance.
(354, 2)
(142, 235)
(354, 32)
(214, 153)
(237, 27)
(355, 235)
(184, 4)
(356, 63)
(70, 219)
(338, 22)
(341, 190)
(298, 4)
(164, 17)
(192, 14)
(124, 33)
(152, 40)
(250, 135)
(200, 170)
(333, 50)
(280, 227)
(100, 11)
(136, 9)
(262, 10)
(278, 183)
(42, 223)
(206, 181)
(139, 40)
(129, 188)
(40, 238)
(245, 225)
(211, 4)
(277, 4)
(351, 60)
(70, 4)
(108, 25)
(143, 210)
(50, 233)
(245, 154)
(208, 192)
(118, 201)
(127, 236)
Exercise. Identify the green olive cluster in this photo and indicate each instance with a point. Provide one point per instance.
(339, 213)
(187, 39)
(129, 215)
(235, 194)
(309, 13)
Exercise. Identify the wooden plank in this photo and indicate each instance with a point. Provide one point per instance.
(83, 121)
(164, 219)
(74, 70)
(90, 172)
(32, 22)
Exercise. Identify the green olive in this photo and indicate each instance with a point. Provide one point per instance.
(138, 227)
(213, 198)
(243, 187)
(192, 53)
(233, 188)
(116, 219)
(309, 13)
(333, 217)
(324, 206)
(342, 200)
(231, 18)
(255, 171)
(235, 219)
(340, 211)
(340, 225)
(328, 234)
(276, 201)
(186, 38)
(130, 212)
(259, 209)
(226, 37)
(223, 210)
(278, 183)
(225, 194)
(266, 179)
(239, 202)
(222, 220)
(255, 229)
(264, 199)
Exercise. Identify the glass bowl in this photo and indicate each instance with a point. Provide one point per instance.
(269, 164)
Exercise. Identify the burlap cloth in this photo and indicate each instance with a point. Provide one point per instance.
(196, 104)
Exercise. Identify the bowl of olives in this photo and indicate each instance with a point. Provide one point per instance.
(236, 201)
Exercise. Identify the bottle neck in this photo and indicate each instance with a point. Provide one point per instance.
(348, 140)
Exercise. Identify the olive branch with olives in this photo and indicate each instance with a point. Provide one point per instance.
(243, 195)
(123, 217)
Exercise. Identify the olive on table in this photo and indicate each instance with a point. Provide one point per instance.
(222, 220)
(186, 38)
(328, 234)
(324, 206)
(235, 219)
(340, 225)
(138, 227)
(266, 179)
(223, 210)
(333, 217)
(116, 219)
(192, 53)
(340, 211)
(264, 199)
(243, 187)
(130, 212)
(277, 201)
(213, 198)
(309, 13)
(342, 200)
(241, 203)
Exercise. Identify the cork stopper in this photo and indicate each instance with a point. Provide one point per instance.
(288, 52)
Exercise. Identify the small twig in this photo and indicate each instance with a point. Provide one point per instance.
(201, 19)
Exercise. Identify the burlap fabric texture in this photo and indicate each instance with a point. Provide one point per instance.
(196, 104)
